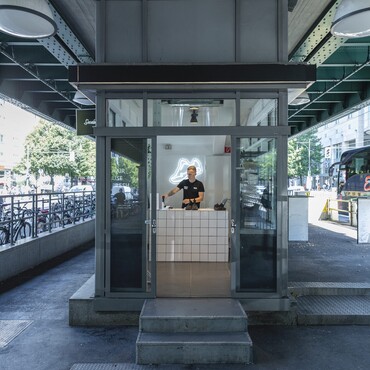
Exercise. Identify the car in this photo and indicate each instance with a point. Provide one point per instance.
(296, 190)
(81, 188)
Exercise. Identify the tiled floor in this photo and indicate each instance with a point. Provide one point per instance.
(193, 279)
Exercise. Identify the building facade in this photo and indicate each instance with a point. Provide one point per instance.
(348, 132)
(201, 83)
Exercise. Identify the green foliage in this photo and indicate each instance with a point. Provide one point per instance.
(268, 165)
(124, 171)
(53, 150)
(304, 153)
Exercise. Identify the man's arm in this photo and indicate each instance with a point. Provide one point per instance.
(200, 197)
(171, 192)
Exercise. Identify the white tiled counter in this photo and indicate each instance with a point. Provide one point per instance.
(184, 236)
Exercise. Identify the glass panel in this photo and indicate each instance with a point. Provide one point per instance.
(258, 112)
(125, 112)
(194, 112)
(256, 162)
(130, 169)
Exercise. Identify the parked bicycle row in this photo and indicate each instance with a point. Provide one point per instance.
(23, 216)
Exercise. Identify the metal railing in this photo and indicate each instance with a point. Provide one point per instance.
(343, 211)
(27, 216)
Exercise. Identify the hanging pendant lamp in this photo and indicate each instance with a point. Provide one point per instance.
(194, 115)
(352, 19)
(27, 19)
(85, 98)
(301, 99)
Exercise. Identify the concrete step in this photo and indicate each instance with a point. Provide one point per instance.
(333, 310)
(328, 288)
(193, 348)
(193, 331)
(193, 315)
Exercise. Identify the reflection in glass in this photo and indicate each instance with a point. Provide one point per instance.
(258, 112)
(194, 112)
(257, 187)
(130, 270)
(125, 112)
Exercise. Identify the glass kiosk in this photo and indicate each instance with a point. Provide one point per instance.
(149, 251)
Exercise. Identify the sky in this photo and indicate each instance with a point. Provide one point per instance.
(15, 125)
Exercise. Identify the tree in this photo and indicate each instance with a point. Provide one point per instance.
(305, 155)
(53, 150)
(268, 165)
(124, 171)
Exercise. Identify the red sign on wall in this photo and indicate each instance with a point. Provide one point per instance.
(227, 149)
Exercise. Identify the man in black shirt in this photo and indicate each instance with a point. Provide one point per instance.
(193, 189)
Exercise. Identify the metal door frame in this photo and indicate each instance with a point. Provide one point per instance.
(102, 133)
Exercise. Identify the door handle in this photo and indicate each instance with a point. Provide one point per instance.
(153, 224)
(233, 226)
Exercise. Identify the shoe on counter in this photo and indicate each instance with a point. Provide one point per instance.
(194, 207)
(219, 207)
(189, 206)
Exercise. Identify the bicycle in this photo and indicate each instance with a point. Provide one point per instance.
(20, 229)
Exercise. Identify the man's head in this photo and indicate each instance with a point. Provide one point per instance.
(192, 171)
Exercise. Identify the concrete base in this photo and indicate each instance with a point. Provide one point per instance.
(310, 304)
(332, 303)
(82, 311)
(87, 310)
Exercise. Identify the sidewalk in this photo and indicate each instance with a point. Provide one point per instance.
(47, 342)
(331, 253)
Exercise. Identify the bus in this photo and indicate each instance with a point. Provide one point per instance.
(353, 173)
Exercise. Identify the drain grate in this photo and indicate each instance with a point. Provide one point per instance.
(111, 367)
(330, 284)
(10, 329)
(334, 305)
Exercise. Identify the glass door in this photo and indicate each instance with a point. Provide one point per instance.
(253, 219)
(131, 240)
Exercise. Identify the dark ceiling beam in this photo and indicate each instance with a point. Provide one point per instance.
(355, 42)
(208, 74)
(50, 84)
(39, 60)
(7, 63)
(335, 85)
(307, 115)
(340, 65)
(27, 54)
(15, 73)
(314, 109)
(66, 43)
(326, 101)
(352, 100)
(354, 79)
(11, 93)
